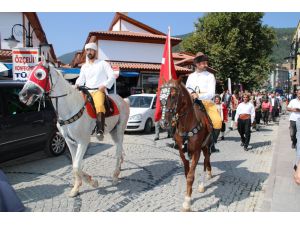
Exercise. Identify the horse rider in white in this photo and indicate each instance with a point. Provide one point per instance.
(96, 74)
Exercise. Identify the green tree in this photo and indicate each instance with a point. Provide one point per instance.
(238, 46)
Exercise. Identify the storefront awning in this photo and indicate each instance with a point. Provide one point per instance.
(5, 66)
(129, 74)
(70, 73)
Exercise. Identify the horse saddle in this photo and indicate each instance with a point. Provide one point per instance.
(111, 108)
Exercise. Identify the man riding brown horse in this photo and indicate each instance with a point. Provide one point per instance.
(179, 110)
(202, 85)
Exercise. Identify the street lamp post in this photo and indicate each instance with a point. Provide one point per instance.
(12, 41)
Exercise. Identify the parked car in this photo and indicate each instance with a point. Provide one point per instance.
(142, 108)
(24, 129)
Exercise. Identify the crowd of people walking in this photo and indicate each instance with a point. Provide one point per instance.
(248, 110)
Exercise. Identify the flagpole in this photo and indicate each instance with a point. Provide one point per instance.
(169, 52)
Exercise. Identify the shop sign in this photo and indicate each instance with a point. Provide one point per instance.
(24, 60)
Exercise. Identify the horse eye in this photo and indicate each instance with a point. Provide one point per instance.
(40, 74)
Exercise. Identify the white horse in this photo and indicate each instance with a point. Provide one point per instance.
(77, 124)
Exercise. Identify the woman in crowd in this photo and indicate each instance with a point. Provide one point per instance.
(244, 117)
(223, 111)
(266, 109)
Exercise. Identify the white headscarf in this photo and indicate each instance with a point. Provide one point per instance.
(91, 45)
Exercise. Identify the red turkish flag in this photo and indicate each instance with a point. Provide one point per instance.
(167, 72)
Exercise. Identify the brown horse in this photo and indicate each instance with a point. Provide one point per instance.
(192, 133)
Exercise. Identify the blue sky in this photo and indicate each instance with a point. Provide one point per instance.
(68, 31)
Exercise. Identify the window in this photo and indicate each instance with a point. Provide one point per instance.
(140, 101)
(150, 82)
(13, 104)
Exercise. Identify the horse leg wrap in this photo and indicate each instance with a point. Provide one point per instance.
(187, 204)
(78, 182)
(209, 175)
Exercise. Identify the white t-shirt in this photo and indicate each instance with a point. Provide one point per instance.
(245, 108)
(95, 74)
(203, 81)
(295, 103)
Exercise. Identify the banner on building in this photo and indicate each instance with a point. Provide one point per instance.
(24, 60)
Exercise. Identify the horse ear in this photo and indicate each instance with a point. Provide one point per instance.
(44, 61)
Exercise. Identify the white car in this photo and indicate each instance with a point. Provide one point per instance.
(142, 108)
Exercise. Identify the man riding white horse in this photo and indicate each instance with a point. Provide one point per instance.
(202, 85)
(97, 75)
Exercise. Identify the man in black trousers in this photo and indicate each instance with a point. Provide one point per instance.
(244, 118)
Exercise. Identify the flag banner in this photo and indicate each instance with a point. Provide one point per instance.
(167, 72)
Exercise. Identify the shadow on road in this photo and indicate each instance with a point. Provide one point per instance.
(233, 185)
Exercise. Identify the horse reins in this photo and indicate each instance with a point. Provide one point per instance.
(74, 117)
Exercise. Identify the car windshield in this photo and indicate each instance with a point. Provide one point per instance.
(140, 101)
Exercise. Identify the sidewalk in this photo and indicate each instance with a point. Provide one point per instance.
(282, 194)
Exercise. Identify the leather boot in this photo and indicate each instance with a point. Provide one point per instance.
(100, 126)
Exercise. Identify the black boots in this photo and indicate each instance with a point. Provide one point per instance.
(100, 126)
(215, 135)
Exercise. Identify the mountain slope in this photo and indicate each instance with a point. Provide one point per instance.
(68, 57)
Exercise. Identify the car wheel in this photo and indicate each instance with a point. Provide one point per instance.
(148, 126)
(56, 145)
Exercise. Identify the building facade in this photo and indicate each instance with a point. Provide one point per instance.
(279, 78)
(27, 30)
(136, 49)
(295, 56)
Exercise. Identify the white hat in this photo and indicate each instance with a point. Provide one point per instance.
(91, 45)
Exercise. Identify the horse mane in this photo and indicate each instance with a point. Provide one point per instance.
(185, 92)
(60, 74)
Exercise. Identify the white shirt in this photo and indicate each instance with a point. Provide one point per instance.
(245, 108)
(295, 103)
(95, 74)
(203, 81)
(273, 101)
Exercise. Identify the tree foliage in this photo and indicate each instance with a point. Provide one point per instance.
(238, 46)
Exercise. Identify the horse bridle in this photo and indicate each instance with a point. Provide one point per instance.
(164, 95)
(165, 92)
(61, 122)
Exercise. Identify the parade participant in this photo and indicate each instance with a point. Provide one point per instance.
(257, 104)
(233, 106)
(245, 114)
(96, 74)
(294, 107)
(266, 108)
(223, 111)
(275, 106)
(202, 85)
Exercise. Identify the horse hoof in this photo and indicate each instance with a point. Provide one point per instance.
(115, 180)
(116, 174)
(186, 210)
(95, 184)
(73, 193)
(209, 175)
(201, 189)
